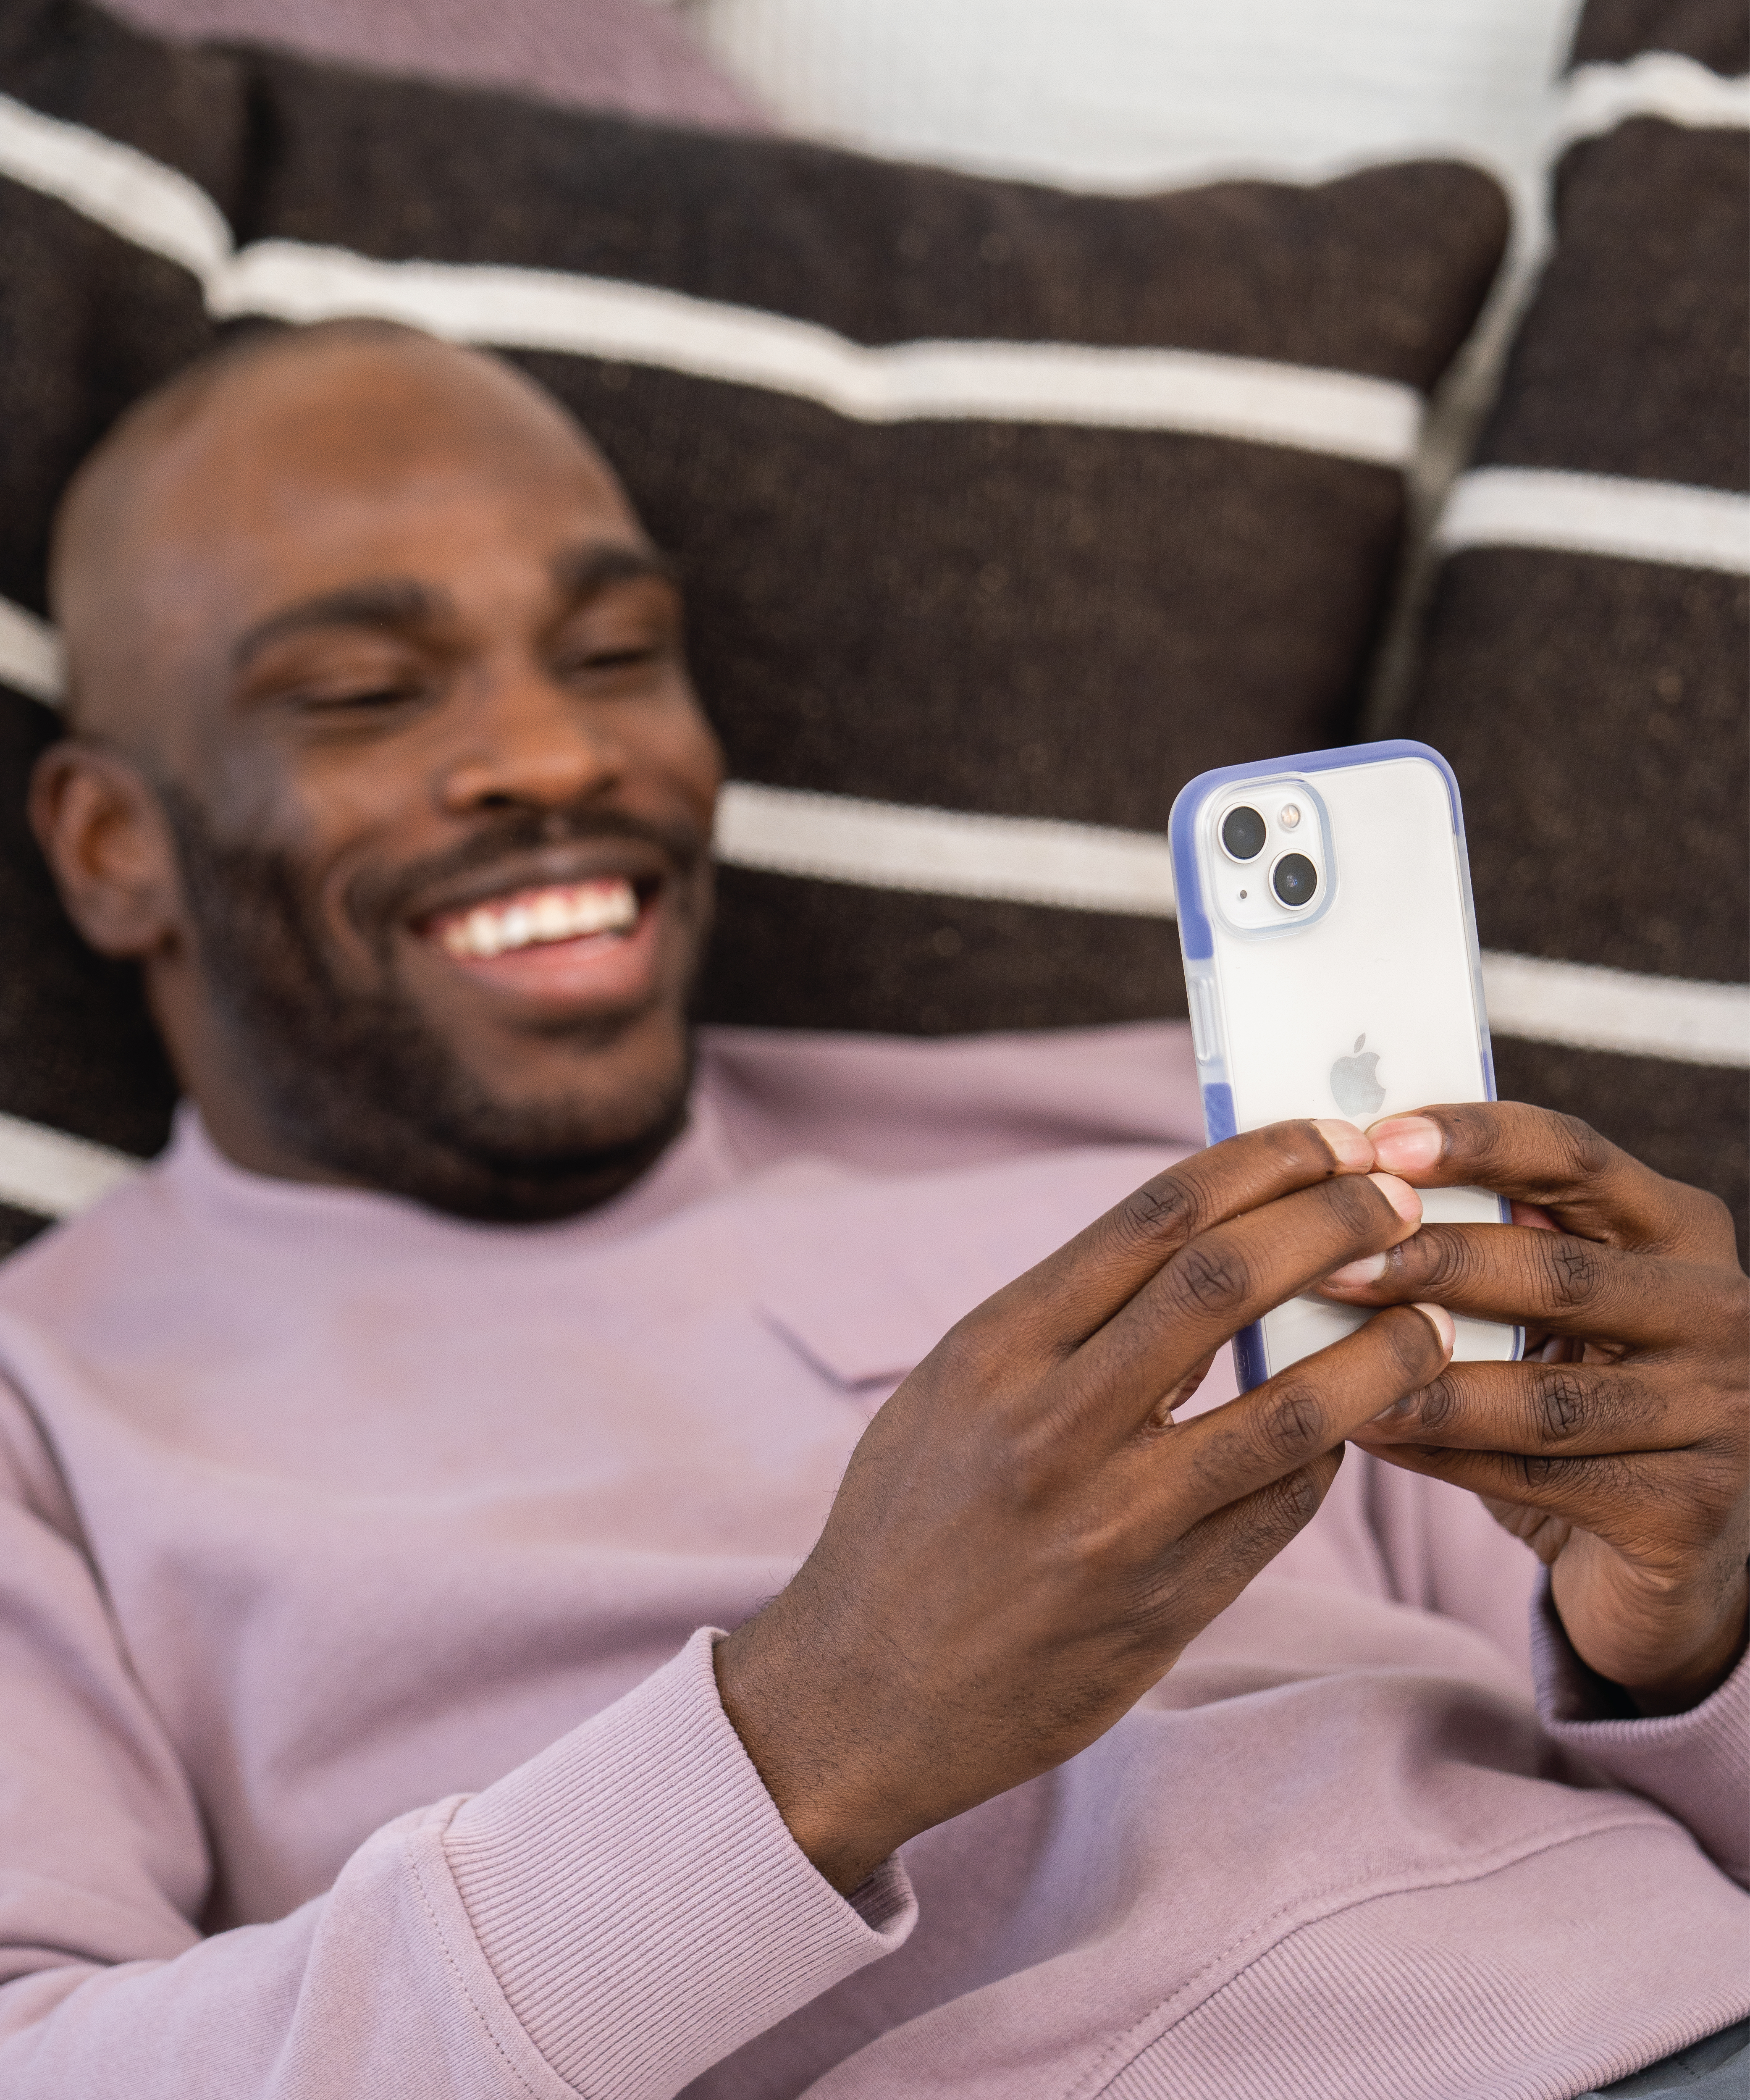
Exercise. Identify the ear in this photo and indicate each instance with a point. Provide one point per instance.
(105, 837)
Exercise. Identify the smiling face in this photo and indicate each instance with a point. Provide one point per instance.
(388, 768)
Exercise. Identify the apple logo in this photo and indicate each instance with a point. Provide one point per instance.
(1355, 1083)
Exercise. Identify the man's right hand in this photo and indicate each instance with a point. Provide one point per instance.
(1024, 1539)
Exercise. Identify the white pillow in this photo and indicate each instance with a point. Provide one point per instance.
(1140, 93)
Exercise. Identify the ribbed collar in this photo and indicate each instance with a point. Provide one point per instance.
(211, 1190)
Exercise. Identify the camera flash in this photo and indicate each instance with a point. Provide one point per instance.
(1289, 815)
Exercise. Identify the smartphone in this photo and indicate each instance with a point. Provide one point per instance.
(1331, 965)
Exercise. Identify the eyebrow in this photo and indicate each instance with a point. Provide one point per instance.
(582, 573)
(397, 604)
(393, 606)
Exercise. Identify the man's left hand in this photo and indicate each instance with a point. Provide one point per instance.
(1618, 1449)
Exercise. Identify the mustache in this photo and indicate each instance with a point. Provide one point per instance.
(376, 902)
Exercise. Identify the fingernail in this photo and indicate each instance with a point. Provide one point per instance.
(1441, 1320)
(1356, 1275)
(1351, 1149)
(1400, 1195)
(1407, 1145)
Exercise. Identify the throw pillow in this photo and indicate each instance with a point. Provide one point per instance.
(1585, 669)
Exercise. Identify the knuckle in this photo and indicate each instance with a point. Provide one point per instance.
(1598, 1478)
(1709, 1218)
(1718, 1482)
(1586, 1154)
(972, 1355)
(1476, 1130)
(1292, 1426)
(1357, 1204)
(1300, 1153)
(1436, 1404)
(1101, 1554)
(1433, 1260)
(1446, 1261)
(1440, 1460)
(1025, 1468)
(1169, 1208)
(1572, 1270)
(1562, 1401)
(1536, 1473)
(1213, 1277)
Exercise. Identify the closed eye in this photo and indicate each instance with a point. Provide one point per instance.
(362, 699)
(604, 662)
(375, 696)
(611, 659)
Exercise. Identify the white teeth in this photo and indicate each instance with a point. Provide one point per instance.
(563, 913)
(552, 921)
(476, 935)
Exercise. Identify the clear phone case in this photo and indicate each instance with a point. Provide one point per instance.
(1354, 989)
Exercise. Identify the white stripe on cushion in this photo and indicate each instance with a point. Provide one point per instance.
(1096, 868)
(155, 207)
(1588, 1008)
(1338, 412)
(54, 1175)
(1341, 413)
(1088, 867)
(945, 852)
(1596, 98)
(1598, 513)
(30, 654)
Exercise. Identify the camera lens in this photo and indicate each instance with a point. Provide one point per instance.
(1294, 879)
(1242, 834)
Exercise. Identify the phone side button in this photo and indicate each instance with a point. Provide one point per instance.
(1202, 1003)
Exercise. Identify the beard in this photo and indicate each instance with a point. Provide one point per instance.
(358, 1081)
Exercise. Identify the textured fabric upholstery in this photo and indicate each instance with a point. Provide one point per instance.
(1585, 669)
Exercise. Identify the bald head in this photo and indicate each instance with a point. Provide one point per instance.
(385, 763)
(270, 433)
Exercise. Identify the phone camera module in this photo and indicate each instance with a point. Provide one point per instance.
(1242, 834)
(1295, 880)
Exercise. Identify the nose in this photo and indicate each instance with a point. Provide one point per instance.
(526, 742)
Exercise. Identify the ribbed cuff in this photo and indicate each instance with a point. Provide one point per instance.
(1697, 1764)
(641, 1900)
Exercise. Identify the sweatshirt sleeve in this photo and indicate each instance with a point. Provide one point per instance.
(607, 1920)
(1696, 1765)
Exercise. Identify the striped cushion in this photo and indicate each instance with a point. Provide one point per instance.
(1001, 511)
(1586, 662)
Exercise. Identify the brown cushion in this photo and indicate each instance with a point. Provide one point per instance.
(1060, 609)
(1593, 701)
(1614, 32)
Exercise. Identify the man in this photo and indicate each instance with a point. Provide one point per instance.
(377, 1465)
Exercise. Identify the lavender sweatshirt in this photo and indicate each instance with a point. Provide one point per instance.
(359, 1735)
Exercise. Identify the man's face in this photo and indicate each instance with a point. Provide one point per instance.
(439, 789)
